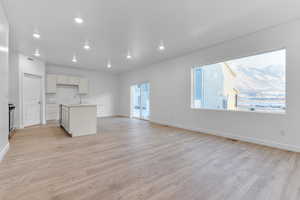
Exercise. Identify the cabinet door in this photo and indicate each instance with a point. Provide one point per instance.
(52, 112)
(60, 79)
(51, 83)
(74, 80)
(63, 80)
(67, 121)
(84, 86)
(64, 117)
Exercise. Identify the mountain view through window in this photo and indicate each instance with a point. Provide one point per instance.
(254, 83)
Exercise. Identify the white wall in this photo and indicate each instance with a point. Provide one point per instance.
(103, 88)
(33, 67)
(4, 31)
(170, 97)
(14, 84)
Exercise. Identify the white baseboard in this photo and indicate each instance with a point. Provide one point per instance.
(4, 151)
(273, 144)
(108, 116)
(269, 143)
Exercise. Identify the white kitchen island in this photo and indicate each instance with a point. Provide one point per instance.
(79, 119)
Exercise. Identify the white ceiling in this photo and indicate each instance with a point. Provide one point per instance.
(115, 26)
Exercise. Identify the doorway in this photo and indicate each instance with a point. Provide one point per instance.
(140, 101)
(32, 100)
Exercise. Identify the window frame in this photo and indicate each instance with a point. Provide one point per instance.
(193, 107)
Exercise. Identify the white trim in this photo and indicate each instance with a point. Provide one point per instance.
(4, 151)
(269, 143)
(242, 111)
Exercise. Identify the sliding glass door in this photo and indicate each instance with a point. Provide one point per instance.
(140, 103)
(145, 103)
(136, 101)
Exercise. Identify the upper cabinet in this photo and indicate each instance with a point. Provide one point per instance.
(51, 83)
(53, 80)
(84, 86)
(67, 80)
(62, 80)
(74, 80)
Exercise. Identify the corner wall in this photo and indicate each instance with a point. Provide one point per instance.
(170, 94)
(4, 49)
(32, 67)
(19, 64)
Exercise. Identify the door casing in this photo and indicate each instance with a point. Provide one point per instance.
(26, 75)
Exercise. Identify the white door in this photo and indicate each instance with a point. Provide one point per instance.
(31, 100)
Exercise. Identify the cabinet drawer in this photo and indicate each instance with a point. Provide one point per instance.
(52, 108)
(52, 116)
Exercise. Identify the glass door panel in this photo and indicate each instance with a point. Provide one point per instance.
(145, 104)
(140, 103)
(136, 101)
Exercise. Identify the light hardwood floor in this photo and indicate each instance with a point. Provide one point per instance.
(136, 160)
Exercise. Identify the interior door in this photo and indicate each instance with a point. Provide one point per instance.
(145, 102)
(31, 100)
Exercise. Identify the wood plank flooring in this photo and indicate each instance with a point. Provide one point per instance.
(137, 160)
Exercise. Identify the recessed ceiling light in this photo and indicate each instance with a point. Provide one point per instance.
(128, 56)
(37, 53)
(86, 46)
(36, 35)
(3, 48)
(78, 20)
(74, 59)
(108, 64)
(161, 46)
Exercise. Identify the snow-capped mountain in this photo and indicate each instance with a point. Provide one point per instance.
(259, 79)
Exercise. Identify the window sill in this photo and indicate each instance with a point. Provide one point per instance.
(241, 111)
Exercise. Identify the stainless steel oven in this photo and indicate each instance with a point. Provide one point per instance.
(11, 109)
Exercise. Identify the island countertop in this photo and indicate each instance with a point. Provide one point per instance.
(79, 105)
(79, 119)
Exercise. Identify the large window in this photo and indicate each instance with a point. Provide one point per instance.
(254, 83)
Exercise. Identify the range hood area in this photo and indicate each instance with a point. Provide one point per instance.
(64, 89)
(54, 80)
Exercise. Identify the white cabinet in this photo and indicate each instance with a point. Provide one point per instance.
(54, 80)
(51, 83)
(74, 80)
(64, 120)
(83, 86)
(63, 80)
(79, 120)
(52, 112)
